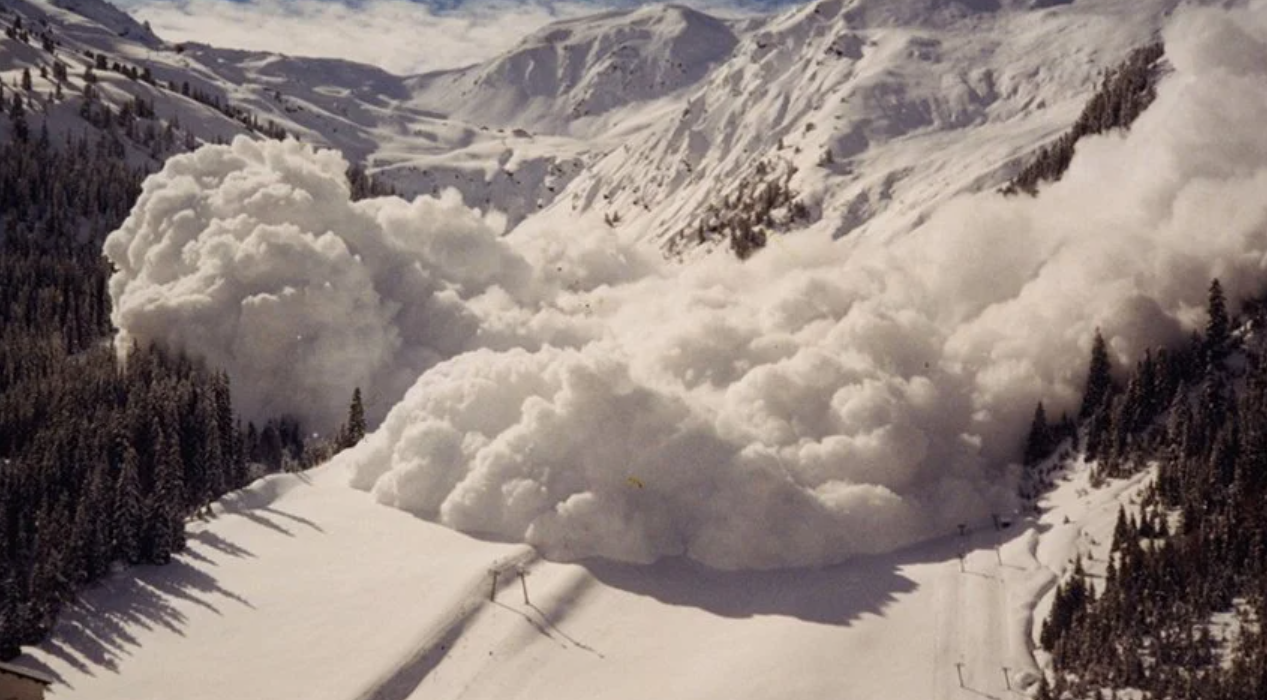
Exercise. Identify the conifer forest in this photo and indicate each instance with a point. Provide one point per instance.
(1196, 546)
(101, 460)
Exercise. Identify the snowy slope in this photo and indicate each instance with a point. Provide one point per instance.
(294, 589)
(573, 72)
(301, 587)
(82, 30)
(84, 18)
(916, 101)
(872, 111)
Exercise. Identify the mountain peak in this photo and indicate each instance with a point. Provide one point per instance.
(112, 18)
(584, 68)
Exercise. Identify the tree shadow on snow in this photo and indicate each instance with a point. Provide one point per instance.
(218, 543)
(101, 628)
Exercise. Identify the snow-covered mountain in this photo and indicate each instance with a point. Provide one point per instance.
(570, 74)
(869, 112)
(656, 120)
(647, 446)
(879, 109)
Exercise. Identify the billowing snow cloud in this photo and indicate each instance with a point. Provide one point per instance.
(820, 401)
(253, 256)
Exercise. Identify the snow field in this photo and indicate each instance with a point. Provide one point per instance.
(301, 587)
(821, 403)
(292, 589)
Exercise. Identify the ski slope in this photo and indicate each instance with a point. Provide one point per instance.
(301, 587)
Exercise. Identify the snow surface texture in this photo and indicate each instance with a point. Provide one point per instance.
(819, 402)
(308, 589)
(653, 115)
(916, 101)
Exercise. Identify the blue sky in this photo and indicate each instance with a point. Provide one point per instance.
(399, 35)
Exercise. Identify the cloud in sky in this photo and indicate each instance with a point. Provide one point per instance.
(398, 35)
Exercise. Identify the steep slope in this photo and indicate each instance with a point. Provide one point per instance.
(83, 19)
(93, 70)
(849, 116)
(879, 111)
(567, 76)
(669, 124)
(90, 61)
(513, 132)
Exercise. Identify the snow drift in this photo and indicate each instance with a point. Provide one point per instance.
(820, 401)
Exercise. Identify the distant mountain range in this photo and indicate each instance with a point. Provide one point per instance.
(670, 124)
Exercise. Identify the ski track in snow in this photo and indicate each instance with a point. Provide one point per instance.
(890, 626)
(981, 641)
(436, 642)
(978, 642)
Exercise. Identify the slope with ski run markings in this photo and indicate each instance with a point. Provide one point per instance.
(302, 587)
(976, 610)
(436, 640)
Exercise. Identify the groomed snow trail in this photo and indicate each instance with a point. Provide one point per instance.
(900, 643)
(918, 615)
(436, 640)
(302, 587)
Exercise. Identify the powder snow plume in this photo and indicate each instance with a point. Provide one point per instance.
(253, 256)
(820, 401)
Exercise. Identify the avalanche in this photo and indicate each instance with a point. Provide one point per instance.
(819, 402)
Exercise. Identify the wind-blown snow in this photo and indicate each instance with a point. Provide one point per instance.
(820, 401)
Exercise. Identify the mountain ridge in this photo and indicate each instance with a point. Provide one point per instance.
(650, 120)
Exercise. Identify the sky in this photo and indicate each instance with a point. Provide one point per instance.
(400, 36)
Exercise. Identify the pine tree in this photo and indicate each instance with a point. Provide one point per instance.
(165, 508)
(1099, 380)
(1121, 531)
(1038, 445)
(1218, 327)
(129, 509)
(354, 432)
(209, 458)
(17, 118)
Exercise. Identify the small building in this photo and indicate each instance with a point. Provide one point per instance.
(21, 683)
